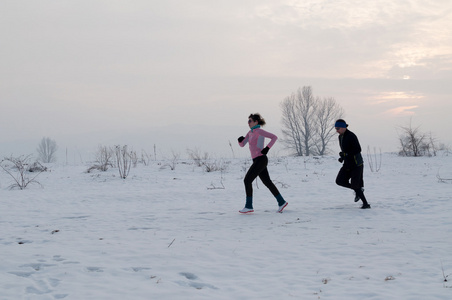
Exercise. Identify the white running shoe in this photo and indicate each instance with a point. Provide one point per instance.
(281, 208)
(246, 210)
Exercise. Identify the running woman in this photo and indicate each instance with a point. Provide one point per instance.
(256, 138)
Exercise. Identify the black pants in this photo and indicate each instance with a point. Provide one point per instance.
(351, 178)
(259, 168)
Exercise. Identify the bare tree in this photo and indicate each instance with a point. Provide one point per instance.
(412, 141)
(291, 125)
(308, 122)
(328, 110)
(307, 106)
(47, 150)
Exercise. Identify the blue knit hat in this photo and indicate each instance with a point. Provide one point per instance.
(341, 124)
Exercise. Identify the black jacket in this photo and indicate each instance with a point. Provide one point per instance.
(351, 150)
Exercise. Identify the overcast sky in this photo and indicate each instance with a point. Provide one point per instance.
(72, 69)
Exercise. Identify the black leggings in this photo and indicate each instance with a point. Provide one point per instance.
(259, 168)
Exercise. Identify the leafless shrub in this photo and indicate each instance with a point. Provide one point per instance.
(445, 149)
(373, 160)
(204, 160)
(197, 156)
(94, 168)
(19, 168)
(172, 162)
(245, 166)
(36, 167)
(216, 187)
(145, 158)
(104, 158)
(432, 145)
(134, 158)
(413, 142)
(213, 165)
(123, 160)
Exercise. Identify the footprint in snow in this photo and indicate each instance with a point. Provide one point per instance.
(37, 266)
(94, 269)
(187, 275)
(192, 283)
(42, 286)
(139, 269)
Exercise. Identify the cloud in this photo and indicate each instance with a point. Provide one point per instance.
(397, 97)
(402, 111)
(355, 38)
(316, 38)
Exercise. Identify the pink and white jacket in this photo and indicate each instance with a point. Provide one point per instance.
(256, 138)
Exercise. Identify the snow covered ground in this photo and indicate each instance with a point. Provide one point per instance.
(177, 234)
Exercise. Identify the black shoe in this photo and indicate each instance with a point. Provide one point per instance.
(357, 198)
(367, 205)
